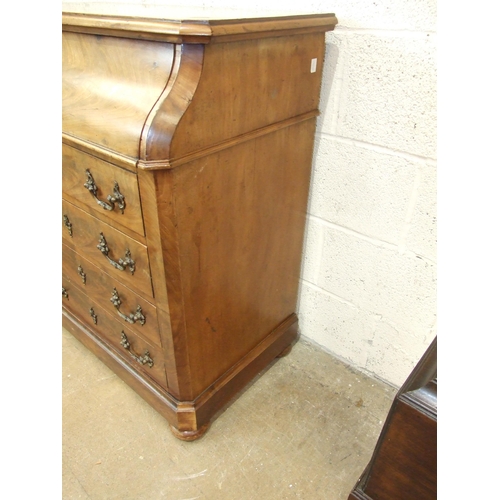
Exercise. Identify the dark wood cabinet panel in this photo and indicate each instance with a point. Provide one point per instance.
(404, 463)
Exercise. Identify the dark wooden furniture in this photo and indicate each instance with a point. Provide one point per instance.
(404, 463)
(187, 149)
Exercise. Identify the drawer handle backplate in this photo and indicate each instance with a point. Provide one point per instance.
(122, 263)
(93, 315)
(116, 197)
(68, 225)
(132, 317)
(145, 359)
(82, 274)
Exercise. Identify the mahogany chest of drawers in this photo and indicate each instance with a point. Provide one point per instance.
(187, 149)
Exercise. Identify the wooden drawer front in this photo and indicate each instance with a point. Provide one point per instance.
(104, 176)
(101, 286)
(110, 330)
(83, 232)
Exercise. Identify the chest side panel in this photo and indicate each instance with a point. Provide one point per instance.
(248, 85)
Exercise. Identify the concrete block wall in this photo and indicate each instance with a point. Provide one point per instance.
(368, 288)
(368, 282)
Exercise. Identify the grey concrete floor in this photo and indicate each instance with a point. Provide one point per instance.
(304, 429)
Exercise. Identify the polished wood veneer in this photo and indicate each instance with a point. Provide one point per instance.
(404, 463)
(187, 150)
(104, 175)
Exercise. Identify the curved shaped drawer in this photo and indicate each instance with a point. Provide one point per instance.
(109, 85)
(83, 232)
(92, 182)
(90, 312)
(103, 288)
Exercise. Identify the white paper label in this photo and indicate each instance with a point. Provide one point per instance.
(314, 63)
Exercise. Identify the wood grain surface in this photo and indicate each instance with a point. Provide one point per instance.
(109, 86)
(110, 330)
(207, 127)
(105, 174)
(99, 285)
(179, 25)
(86, 237)
(239, 217)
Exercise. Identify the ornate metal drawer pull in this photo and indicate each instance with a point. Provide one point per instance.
(116, 197)
(65, 293)
(94, 315)
(68, 225)
(145, 359)
(122, 263)
(82, 275)
(132, 317)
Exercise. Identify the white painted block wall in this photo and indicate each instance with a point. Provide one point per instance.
(368, 288)
(368, 282)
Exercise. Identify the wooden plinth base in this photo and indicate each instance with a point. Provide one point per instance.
(189, 435)
(189, 420)
(285, 352)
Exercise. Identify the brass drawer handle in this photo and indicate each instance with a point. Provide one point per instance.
(116, 197)
(145, 359)
(93, 315)
(65, 293)
(122, 263)
(68, 225)
(132, 317)
(82, 275)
